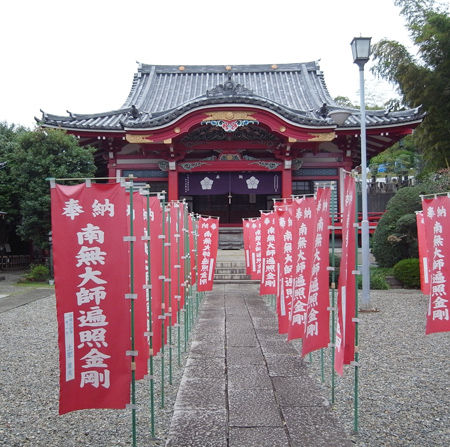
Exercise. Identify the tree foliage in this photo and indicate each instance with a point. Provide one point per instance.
(422, 80)
(8, 203)
(31, 157)
(396, 235)
(400, 159)
(344, 101)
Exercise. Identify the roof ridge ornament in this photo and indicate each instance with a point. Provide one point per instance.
(134, 112)
(324, 110)
(229, 88)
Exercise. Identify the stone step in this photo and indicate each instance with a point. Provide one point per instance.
(230, 264)
(230, 277)
(230, 270)
(394, 283)
(235, 281)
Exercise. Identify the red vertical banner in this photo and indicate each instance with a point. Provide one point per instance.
(437, 223)
(207, 244)
(91, 280)
(345, 328)
(182, 250)
(268, 285)
(258, 266)
(140, 279)
(251, 234)
(246, 235)
(192, 256)
(317, 322)
(423, 255)
(156, 247)
(284, 223)
(175, 264)
(304, 216)
(165, 277)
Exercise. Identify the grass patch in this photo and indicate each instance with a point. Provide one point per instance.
(34, 284)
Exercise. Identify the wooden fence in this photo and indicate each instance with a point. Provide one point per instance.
(14, 262)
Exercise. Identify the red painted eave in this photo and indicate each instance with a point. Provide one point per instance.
(273, 121)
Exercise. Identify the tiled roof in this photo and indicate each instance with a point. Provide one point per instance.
(161, 93)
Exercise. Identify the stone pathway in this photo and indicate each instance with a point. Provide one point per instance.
(13, 295)
(244, 385)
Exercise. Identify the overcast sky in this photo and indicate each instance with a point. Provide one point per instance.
(81, 55)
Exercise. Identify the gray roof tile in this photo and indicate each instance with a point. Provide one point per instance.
(161, 93)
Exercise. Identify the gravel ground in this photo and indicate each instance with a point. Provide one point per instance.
(29, 387)
(404, 383)
(404, 376)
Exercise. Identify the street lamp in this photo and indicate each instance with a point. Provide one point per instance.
(361, 52)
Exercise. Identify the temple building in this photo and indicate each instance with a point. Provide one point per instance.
(230, 139)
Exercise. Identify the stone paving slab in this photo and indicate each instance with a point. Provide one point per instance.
(269, 334)
(210, 337)
(198, 428)
(258, 437)
(206, 349)
(208, 368)
(244, 385)
(200, 394)
(285, 365)
(276, 347)
(313, 426)
(265, 323)
(242, 338)
(244, 355)
(290, 392)
(255, 377)
(253, 408)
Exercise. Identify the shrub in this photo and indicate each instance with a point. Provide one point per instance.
(407, 271)
(394, 236)
(377, 281)
(38, 273)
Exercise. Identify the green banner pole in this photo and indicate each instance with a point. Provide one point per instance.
(187, 272)
(193, 289)
(333, 307)
(169, 244)
(150, 323)
(178, 297)
(322, 371)
(132, 297)
(163, 299)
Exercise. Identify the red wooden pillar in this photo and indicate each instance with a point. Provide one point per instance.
(173, 183)
(286, 181)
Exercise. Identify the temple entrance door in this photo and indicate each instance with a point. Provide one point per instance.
(231, 208)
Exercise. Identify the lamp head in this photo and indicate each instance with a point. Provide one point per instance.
(361, 50)
(339, 116)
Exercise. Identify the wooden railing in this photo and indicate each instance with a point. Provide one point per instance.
(373, 217)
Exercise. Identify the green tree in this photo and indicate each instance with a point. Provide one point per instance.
(423, 80)
(396, 235)
(8, 203)
(400, 159)
(38, 155)
(344, 101)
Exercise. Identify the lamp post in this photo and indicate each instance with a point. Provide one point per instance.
(361, 52)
